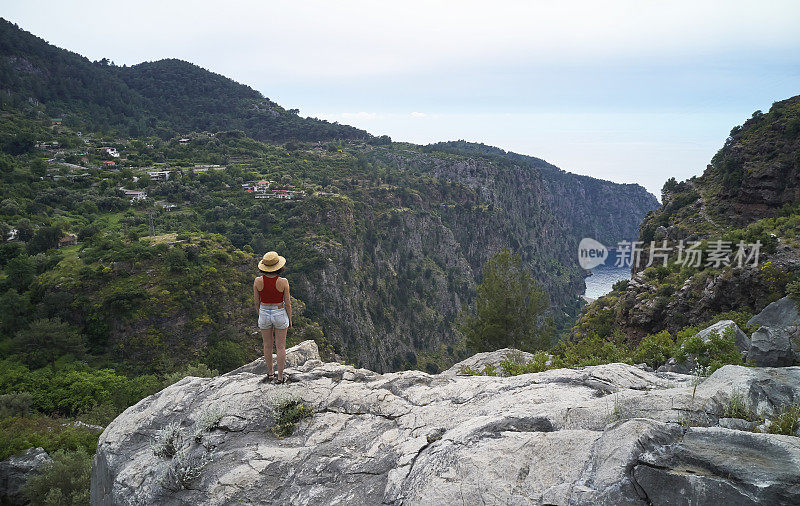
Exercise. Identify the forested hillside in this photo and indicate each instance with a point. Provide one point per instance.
(164, 98)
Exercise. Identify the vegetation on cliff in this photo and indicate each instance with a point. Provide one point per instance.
(747, 195)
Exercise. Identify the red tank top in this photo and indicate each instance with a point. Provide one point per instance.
(270, 294)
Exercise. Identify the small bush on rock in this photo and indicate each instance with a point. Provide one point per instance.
(737, 408)
(183, 468)
(208, 420)
(786, 421)
(168, 441)
(287, 413)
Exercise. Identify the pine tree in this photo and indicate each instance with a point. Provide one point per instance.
(509, 309)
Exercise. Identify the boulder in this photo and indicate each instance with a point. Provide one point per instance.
(295, 356)
(14, 471)
(781, 313)
(480, 361)
(688, 366)
(719, 328)
(713, 465)
(772, 347)
(563, 436)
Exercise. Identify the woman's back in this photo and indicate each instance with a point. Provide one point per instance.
(270, 293)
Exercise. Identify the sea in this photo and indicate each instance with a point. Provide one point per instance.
(604, 276)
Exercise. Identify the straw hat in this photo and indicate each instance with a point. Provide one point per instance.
(271, 262)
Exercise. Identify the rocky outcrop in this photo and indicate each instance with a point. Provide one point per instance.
(721, 327)
(14, 472)
(781, 313)
(772, 347)
(489, 359)
(777, 341)
(609, 434)
(757, 469)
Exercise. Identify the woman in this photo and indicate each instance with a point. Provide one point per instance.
(274, 306)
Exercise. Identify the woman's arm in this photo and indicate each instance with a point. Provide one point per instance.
(256, 295)
(287, 302)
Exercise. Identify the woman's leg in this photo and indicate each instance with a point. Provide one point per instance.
(266, 336)
(280, 345)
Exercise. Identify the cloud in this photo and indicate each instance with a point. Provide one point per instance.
(418, 115)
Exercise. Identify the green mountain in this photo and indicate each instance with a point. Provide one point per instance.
(750, 192)
(397, 241)
(164, 98)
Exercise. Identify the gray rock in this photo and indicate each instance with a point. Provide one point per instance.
(480, 361)
(772, 347)
(564, 436)
(295, 357)
(781, 313)
(736, 424)
(14, 471)
(688, 366)
(713, 465)
(82, 425)
(742, 341)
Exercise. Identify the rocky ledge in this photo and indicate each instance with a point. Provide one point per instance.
(609, 434)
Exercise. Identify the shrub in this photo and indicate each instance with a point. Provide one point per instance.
(288, 412)
(15, 404)
(184, 467)
(64, 481)
(168, 441)
(225, 356)
(793, 291)
(786, 420)
(207, 420)
(17, 434)
(737, 408)
(654, 349)
(714, 353)
(537, 364)
(592, 350)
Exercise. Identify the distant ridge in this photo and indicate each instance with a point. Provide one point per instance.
(166, 98)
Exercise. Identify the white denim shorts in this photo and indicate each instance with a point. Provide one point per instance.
(272, 317)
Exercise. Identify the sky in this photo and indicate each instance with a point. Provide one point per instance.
(630, 91)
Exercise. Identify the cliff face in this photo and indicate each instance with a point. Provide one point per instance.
(610, 434)
(390, 292)
(749, 193)
(758, 169)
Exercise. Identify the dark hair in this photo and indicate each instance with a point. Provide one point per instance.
(279, 271)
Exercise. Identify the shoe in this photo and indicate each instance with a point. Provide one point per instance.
(269, 378)
(280, 381)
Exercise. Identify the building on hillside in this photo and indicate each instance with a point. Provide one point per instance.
(167, 206)
(183, 142)
(109, 151)
(109, 163)
(159, 175)
(55, 121)
(281, 194)
(68, 240)
(135, 195)
(12, 235)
